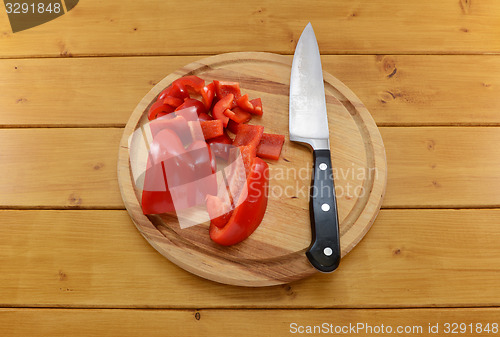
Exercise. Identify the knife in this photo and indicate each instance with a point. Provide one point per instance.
(309, 125)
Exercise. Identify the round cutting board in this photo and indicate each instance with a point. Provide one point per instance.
(275, 252)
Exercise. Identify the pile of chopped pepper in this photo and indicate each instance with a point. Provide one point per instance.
(222, 113)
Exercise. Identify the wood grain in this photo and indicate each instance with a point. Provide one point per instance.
(275, 253)
(445, 167)
(401, 90)
(90, 258)
(428, 167)
(54, 168)
(131, 323)
(199, 27)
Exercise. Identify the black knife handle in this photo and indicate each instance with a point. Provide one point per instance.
(324, 252)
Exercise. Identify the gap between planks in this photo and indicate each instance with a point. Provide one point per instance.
(245, 308)
(201, 55)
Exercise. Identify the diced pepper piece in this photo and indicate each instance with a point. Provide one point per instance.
(192, 82)
(270, 146)
(224, 88)
(248, 135)
(157, 108)
(238, 115)
(174, 90)
(207, 94)
(232, 126)
(177, 124)
(204, 117)
(224, 139)
(248, 154)
(257, 107)
(244, 103)
(212, 129)
(221, 106)
(172, 101)
(189, 102)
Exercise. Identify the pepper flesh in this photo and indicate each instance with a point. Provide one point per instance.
(221, 106)
(248, 215)
(270, 146)
(212, 129)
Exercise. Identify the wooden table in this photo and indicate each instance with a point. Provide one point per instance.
(73, 264)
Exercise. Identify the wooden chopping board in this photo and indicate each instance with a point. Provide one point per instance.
(275, 252)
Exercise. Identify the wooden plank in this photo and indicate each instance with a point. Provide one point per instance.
(78, 92)
(427, 167)
(442, 167)
(125, 323)
(59, 168)
(200, 27)
(410, 258)
(397, 90)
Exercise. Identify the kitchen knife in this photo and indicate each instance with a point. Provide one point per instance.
(309, 125)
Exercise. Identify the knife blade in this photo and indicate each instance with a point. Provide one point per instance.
(309, 125)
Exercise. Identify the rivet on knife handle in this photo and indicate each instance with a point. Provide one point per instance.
(324, 252)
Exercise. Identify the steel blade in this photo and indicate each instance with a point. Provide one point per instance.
(308, 116)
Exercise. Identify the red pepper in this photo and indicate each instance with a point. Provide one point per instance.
(248, 135)
(189, 102)
(238, 115)
(159, 108)
(248, 215)
(177, 124)
(212, 129)
(270, 146)
(223, 139)
(192, 82)
(184, 166)
(257, 107)
(207, 94)
(156, 198)
(248, 154)
(174, 90)
(221, 106)
(220, 212)
(174, 102)
(204, 117)
(244, 103)
(224, 88)
(232, 126)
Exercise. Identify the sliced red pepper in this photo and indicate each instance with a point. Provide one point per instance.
(212, 129)
(178, 124)
(156, 202)
(204, 117)
(156, 197)
(244, 103)
(220, 212)
(248, 135)
(257, 107)
(238, 115)
(248, 154)
(174, 102)
(192, 82)
(224, 88)
(270, 146)
(232, 126)
(159, 108)
(174, 90)
(221, 106)
(248, 215)
(207, 94)
(223, 139)
(189, 102)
